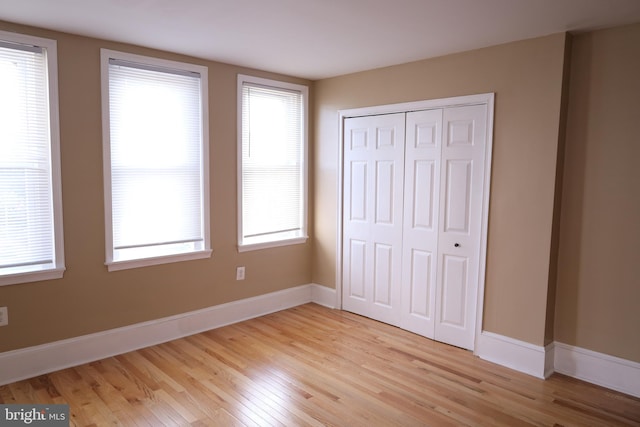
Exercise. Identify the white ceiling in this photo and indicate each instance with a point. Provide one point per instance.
(318, 38)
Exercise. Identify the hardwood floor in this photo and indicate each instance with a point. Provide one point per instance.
(312, 366)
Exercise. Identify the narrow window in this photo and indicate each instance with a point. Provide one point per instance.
(155, 160)
(31, 245)
(272, 162)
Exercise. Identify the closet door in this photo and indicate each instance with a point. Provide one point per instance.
(461, 195)
(420, 225)
(372, 221)
(412, 219)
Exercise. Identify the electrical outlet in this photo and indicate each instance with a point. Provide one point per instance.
(240, 273)
(4, 316)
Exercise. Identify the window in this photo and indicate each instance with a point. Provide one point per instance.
(272, 163)
(31, 246)
(156, 160)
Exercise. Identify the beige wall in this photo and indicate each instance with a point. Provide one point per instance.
(89, 299)
(598, 295)
(527, 79)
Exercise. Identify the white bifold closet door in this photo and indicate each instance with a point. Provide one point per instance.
(374, 172)
(413, 192)
(420, 222)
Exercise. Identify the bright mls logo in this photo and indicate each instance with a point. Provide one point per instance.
(36, 415)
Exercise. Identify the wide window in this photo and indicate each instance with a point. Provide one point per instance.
(272, 163)
(155, 160)
(31, 246)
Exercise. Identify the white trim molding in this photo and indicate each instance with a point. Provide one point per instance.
(515, 354)
(598, 368)
(323, 296)
(28, 362)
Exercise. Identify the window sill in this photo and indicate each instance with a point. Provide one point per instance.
(32, 276)
(272, 244)
(145, 262)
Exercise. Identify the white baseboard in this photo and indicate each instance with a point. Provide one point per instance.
(323, 295)
(28, 362)
(598, 368)
(549, 359)
(590, 366)
(519, 355)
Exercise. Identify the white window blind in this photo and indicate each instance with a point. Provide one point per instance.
(272, 166)
(157, 162)
(30, 226)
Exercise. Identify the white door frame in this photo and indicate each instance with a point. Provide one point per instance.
(487, 99)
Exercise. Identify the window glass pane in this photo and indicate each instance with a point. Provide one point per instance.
(156, 168)
(272, 165)
(27, 231)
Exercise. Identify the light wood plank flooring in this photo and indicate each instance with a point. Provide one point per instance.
(312, 366)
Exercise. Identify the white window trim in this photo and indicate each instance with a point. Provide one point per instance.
(51, 47)
(105, 55)
(305, 122)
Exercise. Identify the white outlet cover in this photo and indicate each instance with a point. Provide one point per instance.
(4, 316)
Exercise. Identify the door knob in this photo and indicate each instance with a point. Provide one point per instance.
(457, 245)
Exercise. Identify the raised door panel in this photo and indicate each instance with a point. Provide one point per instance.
(356, 269)
(457, 196)
(382, 277)
(453, 310)
(420, 284)
(357, 201)
(423, 195)
(385, 194)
